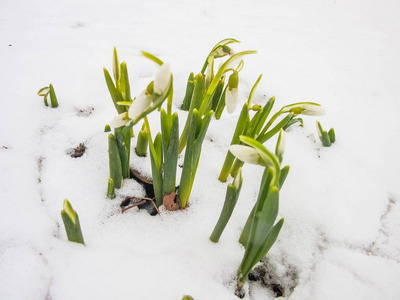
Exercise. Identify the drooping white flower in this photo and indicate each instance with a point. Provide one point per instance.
(162, 79)
(120, 120)
(305, 108)
(139, 105)
(246, 154)
(231, 99)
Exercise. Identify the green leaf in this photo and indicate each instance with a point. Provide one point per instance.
(111, 189)
(332, 135)
(261, 225)
(199, 90)
(170, 145)
(116, 66)
(189, 92)
(153, 58)
(232, 195)
(197, 131)
(156, 162)
(326, 142)
(115, 94)
(262, 138)
(53, 98)
(71, 223)
(123, 137)
(124, 86)
(114, 161)
(271, 238)
(142, 142)
(284, 174)
(262, 194)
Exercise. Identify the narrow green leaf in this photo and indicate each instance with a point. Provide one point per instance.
(153, 58)
(216, 96)
(262, 138)
(53, 98)
(156, 161)
(111, 189)
(232, 195)
(115, 94)
(326, 142)
(264, 115)
(332, 135)
(124, 84)
(116, 66)
(271, 238)
(221, 105)
(114, 161)
(262, 194)
(123, 137)
(189, 93)
(284, 174)
(170, 145)
(199, 90)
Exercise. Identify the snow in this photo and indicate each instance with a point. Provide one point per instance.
(341, 237)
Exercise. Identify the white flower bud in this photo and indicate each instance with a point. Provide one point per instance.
(245, 153)
(231, 99)
(139, 105)
(305, 108)
(162, 79)
(120, 120)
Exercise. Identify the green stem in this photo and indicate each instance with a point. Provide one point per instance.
(240, 126)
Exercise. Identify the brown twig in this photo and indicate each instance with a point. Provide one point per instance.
(143, 201)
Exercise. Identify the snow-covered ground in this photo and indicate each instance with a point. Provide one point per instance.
(341, 237)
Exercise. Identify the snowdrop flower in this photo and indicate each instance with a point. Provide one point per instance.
(305, 108)
(231, 96)
(141, 103)
(247, 154)
(120, 120)
(222, 51)
(162, 79)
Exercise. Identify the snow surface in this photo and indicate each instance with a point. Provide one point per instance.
(341, 237)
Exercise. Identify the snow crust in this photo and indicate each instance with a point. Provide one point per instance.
(341, 237)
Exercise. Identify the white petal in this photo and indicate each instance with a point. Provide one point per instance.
(231, 99)
(141, 102)
(305, 108)
(162, 79)
(313, 110)
(119, 121)
(245, 153)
